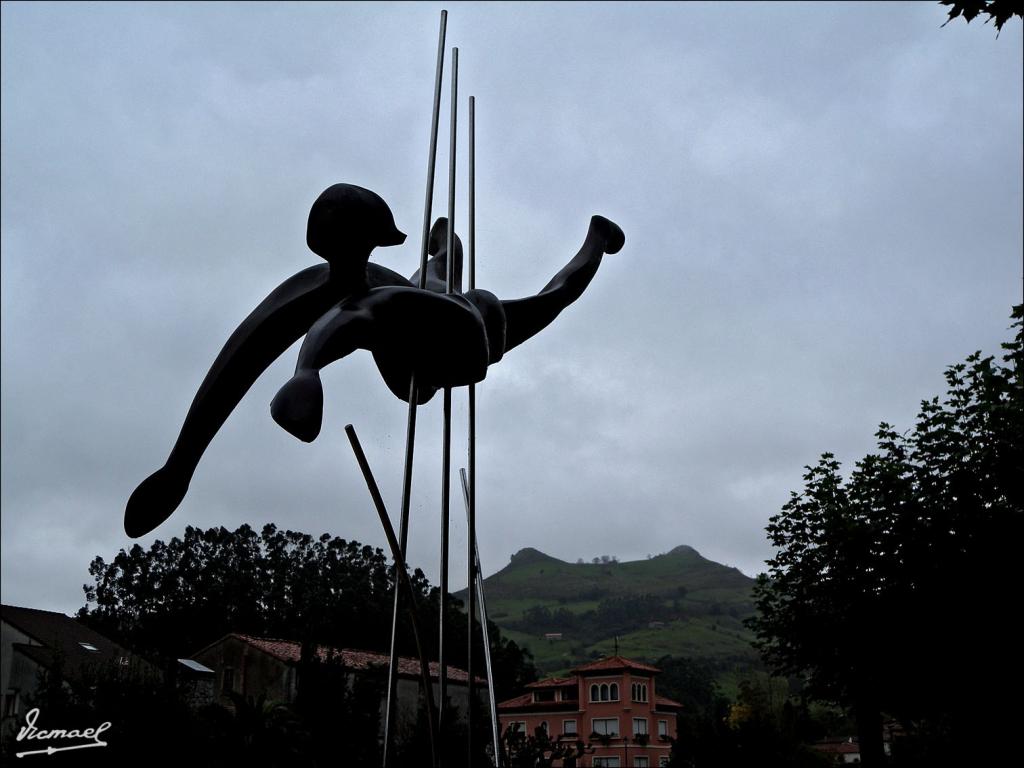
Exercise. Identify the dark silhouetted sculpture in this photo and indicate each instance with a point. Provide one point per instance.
(350, 303)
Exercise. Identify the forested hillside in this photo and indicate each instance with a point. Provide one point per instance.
(678, 603)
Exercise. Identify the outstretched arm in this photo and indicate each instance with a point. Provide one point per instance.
(279, 320)
(298, 406)
(273, 326)
(525, 317)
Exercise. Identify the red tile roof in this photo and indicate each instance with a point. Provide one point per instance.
(526, 702)
(552, 682)
(665, 701)
(844, 748)
(517, 702)
(289, 651)
(610, 663)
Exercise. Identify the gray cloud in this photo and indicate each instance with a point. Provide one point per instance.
(822, 208)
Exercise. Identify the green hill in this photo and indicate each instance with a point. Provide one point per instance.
(678, 604)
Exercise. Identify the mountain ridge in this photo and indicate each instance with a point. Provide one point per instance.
(677, 603)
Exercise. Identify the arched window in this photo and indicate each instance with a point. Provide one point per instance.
(594, 695)
(604, 692)
(615, 692)
(544, 725)
(632, 692)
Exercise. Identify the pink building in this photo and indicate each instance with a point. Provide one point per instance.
(610, 704)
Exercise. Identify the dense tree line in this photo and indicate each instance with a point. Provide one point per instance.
(891, 590)
(613, 615)
(765, 724)
(617, 615)
(171, 600)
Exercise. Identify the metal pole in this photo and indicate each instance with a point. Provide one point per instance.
(446, 446)
(410, 434)
(471, 502)
(400, 568)
(479, 582)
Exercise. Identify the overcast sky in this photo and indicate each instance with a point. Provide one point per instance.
(822, 208)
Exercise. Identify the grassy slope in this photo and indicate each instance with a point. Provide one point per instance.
(701, 620)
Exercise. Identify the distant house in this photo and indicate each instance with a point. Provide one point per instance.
(255, 666)
(196, 683)
(34, 641)
(612, 704)
(842, 751)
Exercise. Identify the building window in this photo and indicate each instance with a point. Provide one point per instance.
(604, 692)
(517, 726)
(606, 762)
(569, 727)
(606, 726)
(663, 727)
(639, 691)
(13, 702)
(639, 726)
(641, 762)
(662, 762)
(228, 683)
(544, 725)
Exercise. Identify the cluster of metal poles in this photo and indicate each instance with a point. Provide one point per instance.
(404, 597)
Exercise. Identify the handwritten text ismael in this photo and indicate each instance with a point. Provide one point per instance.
(30, 732)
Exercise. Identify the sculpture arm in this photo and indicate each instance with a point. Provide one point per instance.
(526, 317)
(273, 326)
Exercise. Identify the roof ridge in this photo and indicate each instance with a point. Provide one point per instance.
(37, 610)
(262, 644)
(615, 662)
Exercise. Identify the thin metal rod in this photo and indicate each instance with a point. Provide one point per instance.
(432, 163)
(410, 433)
(479, 583)
(471, 502)
(450, 277)
(471, 220)
(446, 449)
(402, 577)
(446, 446)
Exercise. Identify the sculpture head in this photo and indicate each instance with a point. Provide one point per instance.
(347, 220)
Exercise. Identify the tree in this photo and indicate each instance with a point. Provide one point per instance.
(887, 587)
(540, 750)
(174, 598)
(170, 600)
(998, 11)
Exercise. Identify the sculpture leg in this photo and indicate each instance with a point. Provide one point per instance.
(298, 406)
(525, 317)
